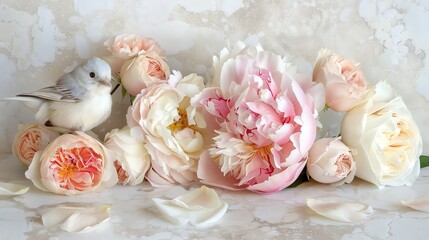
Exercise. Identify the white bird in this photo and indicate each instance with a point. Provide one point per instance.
(80, 100)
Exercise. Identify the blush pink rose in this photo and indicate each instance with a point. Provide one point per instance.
(142, 71)
(127, 46)
(265, 123)
(30, 139)
(331, 161)
(73, 164)
(344, 81)
(174, 131)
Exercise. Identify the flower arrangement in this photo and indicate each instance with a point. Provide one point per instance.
(253, 124)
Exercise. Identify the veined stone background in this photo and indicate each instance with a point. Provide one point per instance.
(41, 40)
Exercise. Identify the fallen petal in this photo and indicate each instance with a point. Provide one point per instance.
(10, 189)
(421, 204)
(200, 207)
(340, 209)
(76, 219)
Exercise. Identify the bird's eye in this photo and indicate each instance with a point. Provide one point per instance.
(92, 74)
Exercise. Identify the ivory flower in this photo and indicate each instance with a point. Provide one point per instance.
(331, 161)
(264, 122)
(386, 139)
(73, 164)
(344, 82)
(172, 128)
(30, 139)
(132, 160)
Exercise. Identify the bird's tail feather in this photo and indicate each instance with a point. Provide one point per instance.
(30, 102)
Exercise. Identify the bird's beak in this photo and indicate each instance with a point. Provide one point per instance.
(106, 83)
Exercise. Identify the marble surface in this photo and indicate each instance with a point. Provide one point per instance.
(40, 40)
(249, 215)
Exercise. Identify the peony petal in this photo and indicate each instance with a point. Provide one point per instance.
(200, 207)
(340, 209)
(421, 204)
(76, 219)
(10, 189)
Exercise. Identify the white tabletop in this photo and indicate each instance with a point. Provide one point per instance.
(282, 215)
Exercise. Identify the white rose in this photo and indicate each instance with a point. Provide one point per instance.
(386, 139)
(132, 159)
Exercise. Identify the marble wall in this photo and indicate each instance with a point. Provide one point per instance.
(40, 40)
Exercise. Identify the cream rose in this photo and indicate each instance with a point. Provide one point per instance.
(132, 160)
(331, 161)
(173, 129)
(142, 71)
(386, 139)
(73, 164)
(30, 139)
(344, 82)
(127, 46)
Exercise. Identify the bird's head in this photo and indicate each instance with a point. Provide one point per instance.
(97, 72)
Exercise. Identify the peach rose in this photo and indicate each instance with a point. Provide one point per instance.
(142, 71)
(30, 139)
(126, 46)
(344, 81)
(73, 164)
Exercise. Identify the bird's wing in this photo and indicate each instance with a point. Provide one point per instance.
(53, 93)
(67, 89)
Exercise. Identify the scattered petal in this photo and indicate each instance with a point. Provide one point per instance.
(200, 207)
(340, 209)
(10, 189)
(76, 219)
(421, 204)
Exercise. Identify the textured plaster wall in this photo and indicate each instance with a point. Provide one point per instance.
(40, 40)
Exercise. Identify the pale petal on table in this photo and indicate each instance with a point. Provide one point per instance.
(340, 209)
(76, 219)
(421, 204)
(200, 207)
(10, 189)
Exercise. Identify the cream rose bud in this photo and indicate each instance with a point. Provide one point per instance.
(143, 71)
(331, 161)
(30, 139)
(344, 82)
(386, 139)
(132, 159)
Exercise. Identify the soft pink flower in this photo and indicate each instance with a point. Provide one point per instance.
(265, 123)
(127, 46)
(331, 161)
(73, 164)
(142, 71)
(174, 131)
(30, 139)
(344, 81)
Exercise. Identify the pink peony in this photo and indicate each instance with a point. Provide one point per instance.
(265, 123)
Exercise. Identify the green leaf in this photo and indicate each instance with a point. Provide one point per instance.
(123, 91)
(424, 161)
(131, 98)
